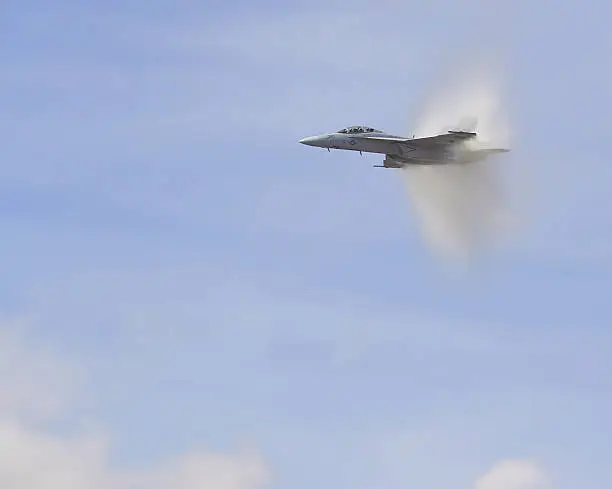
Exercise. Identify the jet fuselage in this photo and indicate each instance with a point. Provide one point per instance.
(394, 146)
(400, 151)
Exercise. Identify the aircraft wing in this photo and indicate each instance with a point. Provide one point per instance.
(392, 139)
(432, 141)
(447, 139)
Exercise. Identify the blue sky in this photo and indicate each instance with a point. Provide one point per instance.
(192, 299)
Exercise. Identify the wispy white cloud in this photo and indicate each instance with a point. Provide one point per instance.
(35, 456)
(33, 384)
(514, 474)
(219, 73)
(82, 456)
(34, 459)
(464, 444)
(186, 300)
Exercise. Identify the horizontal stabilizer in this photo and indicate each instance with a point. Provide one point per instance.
(476, 155)
(390, 162)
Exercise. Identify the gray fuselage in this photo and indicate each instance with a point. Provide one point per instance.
(395, 147)
(400, 151)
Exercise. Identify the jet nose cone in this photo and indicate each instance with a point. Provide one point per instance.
(310, 141)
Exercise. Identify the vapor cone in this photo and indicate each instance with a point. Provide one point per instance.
(461, 208)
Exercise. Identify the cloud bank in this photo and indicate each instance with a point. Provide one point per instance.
(36, 388)
(514, 474)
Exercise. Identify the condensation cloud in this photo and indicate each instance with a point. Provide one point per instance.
(463, 209)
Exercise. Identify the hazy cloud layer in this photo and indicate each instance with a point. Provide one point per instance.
(36, 456)
(514, 474)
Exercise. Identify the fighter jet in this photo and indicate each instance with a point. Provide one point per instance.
(400, 151)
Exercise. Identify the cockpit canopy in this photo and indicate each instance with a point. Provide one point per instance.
(357, 130)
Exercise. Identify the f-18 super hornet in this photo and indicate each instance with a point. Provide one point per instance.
(400, 151)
